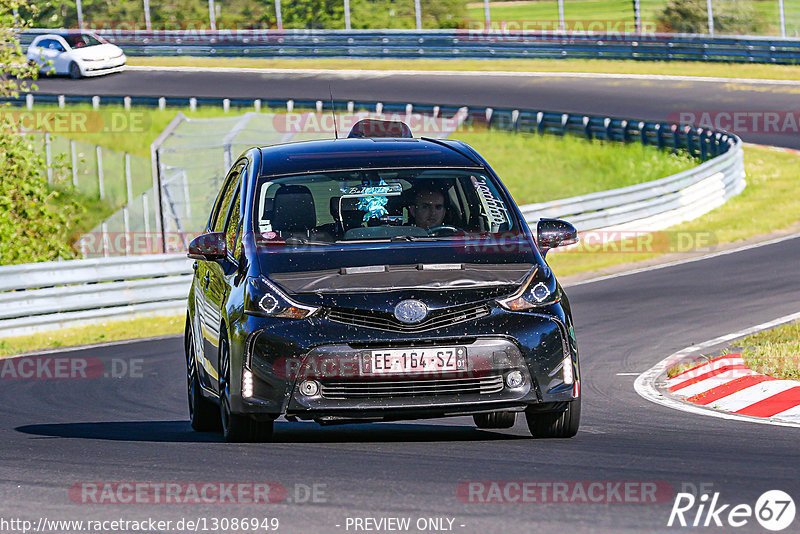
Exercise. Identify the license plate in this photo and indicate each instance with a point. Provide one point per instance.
(422, 360)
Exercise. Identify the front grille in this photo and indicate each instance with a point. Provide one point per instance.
(387, 321)
(359, 389)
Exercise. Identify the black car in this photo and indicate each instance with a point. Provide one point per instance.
(376, 279)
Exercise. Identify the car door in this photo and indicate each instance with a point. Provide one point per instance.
(212, 277)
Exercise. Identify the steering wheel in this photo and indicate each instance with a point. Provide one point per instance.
(442, 230)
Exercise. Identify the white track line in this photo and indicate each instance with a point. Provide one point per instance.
(351, 73)
(645, 384)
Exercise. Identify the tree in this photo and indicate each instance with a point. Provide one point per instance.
(691, 16)
(31, 226)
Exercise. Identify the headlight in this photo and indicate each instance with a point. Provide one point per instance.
(264, 299)
(539, 289)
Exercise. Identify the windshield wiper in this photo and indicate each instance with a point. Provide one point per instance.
(294, 241)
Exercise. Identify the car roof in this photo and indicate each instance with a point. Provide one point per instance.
(369, 153)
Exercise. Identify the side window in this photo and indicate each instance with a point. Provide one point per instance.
(224, 200)
(232, 226)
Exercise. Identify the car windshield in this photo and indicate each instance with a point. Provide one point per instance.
(81, 40)
(374, 205)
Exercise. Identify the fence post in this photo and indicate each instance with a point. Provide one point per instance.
(74, 160)
(347, 15)
(782, 18)
(146, 217)
(100, 184)
(710, 17)
(48, 158)
(128, 202)
(212, 16)
(278, 14)
(147, 24)
(487, 14)
(79, 8)
(418, 14)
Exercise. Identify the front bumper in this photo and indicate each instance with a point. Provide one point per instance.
(533, 344)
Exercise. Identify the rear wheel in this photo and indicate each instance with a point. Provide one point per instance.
(555, 424)
(495, 419)
(74, 71)
(237, 428)
(202, 412)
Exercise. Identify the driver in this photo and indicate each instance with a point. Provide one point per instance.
(428, 208)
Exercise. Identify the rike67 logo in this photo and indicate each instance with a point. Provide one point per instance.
(774, 510)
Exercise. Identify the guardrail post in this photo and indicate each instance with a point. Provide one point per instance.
(515, 120)
(350, 106)
(540, 122)
(162, 103)
(690, 140)
(609, 129)
(319, 106)
(587, 127)
(48, 158)
(193, 104)
(702, 138)
(379, 108)
(257, 105)
(643, 133)
(61, 101)
(29, 101)
(226, 105)
(74, 161)
(126, 103)
(626, 137)
(659, 136)
(564, 121)
(436, 112)
(100, 185)
(488, 114)
(95, 102)
(289, 106)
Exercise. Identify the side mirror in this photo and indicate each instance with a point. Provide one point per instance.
(552, 233)
(208, 247)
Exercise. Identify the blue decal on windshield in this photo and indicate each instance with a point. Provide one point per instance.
(374, 205)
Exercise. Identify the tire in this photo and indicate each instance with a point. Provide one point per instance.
(203, 413)
(555, 424)
(237, 428)
(495, 419)
(74, 71)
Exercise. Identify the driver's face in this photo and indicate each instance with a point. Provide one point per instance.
(428, 210)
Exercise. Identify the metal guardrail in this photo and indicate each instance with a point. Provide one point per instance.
(451, 44)
(44, 296)
(50, 295)
(648, 206)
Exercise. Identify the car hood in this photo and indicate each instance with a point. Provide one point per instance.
(101, 51)
(443, 274)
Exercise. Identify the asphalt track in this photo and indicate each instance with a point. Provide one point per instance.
(648, 99)
(56, 433)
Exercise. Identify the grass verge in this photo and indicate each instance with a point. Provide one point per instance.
(774, 352)
(768, 204)
(95, 333)
(669, 68)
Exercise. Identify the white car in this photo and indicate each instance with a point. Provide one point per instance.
(76, 54)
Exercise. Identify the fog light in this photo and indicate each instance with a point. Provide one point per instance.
(309, 388)
(514, 379)
(247, 384)
(569, 376)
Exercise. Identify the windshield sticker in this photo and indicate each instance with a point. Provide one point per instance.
(495, 208)
(373, 198)
(383, 188)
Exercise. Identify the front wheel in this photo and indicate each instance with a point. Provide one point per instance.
(495, 419)
(237, 428)
(74, 71)
(202, 412)
(555, 424)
